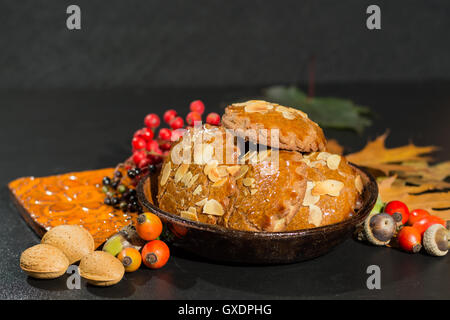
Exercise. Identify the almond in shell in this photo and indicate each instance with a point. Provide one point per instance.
(101, 268)
(44, 261)
(74, 241)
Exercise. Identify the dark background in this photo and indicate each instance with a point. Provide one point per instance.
(71, 100)
(127, 44)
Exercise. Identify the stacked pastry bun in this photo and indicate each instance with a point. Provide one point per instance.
(266, 168)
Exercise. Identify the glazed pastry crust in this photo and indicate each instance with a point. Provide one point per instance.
(251, 193)
(296, 131)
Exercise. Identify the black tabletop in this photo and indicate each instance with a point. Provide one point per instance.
(45, 133)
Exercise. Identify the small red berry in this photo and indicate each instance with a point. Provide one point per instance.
(193, 117)
(197, 106)
(138, 143)
(152, 146)
(213, 119)
(165, 134)
(177, 123)
(144, 163)
(145, 133)
(169, 115)
(152, 120)
(165, 146)
(138, 156)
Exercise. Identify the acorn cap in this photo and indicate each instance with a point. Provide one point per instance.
(379, 228)
(435, 240)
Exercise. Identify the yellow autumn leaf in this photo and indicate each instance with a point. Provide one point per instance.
(416, 197)
(375, 155)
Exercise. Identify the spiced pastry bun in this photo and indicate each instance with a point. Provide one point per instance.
(207, 178)
(255, 120)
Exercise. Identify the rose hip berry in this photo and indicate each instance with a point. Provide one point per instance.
(169, 115)
(138, 143)
(213, 119)
(409, 239)
(197, 106)
(152, 120)
(165, 134)
(177, 123)
(193, 117)
(397, 206)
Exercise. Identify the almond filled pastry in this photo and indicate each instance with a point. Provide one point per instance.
(239, 176)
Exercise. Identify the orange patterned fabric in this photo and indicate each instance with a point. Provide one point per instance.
(71, 198)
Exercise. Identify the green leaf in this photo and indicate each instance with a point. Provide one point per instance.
(327, 112)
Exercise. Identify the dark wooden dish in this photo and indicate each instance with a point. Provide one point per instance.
(228, 245)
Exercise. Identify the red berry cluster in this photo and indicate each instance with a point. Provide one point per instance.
(147, 150)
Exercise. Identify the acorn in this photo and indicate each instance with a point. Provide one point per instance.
(380, 228)
(398, 217)
(436, 240)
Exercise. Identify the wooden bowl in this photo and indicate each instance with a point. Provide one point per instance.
(235, 246)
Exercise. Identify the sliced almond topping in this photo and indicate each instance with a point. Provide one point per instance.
(233, 170)
(213, 207)
(279, 225)
(333, 161)
(192, 209)
(165, 173)
(192, 181)
(213, 175)
(248, 156)
(258, 106)
(219, 183)
(189, 215)
(310, 199)
(330, 187)
(288, 115)
(222, 171)
(197, 190)
(248, 181)
(301, 113)
(181, 171)
(201, 203)
(317, 163)
(186, 178)
(358, 184)
(307, 162)
(323, 156)
(243, 170)
(315, 215)
(209, 166)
